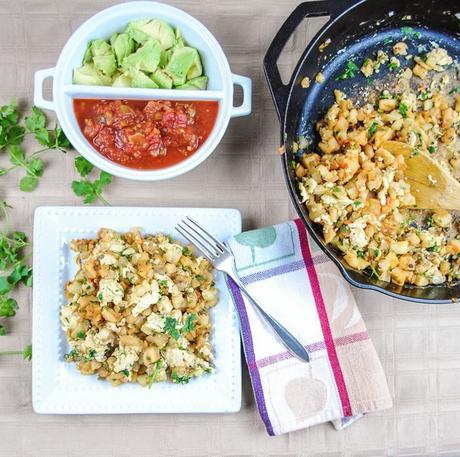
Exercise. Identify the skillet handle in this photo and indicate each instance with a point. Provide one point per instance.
(279, 90)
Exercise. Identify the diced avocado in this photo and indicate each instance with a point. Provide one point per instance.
(122, 81)
(146, 58)
(180, 63)
(140, 79)
(113, 38)
(199, 83)
(88, 57)
(106, 64)
(100, 48)
(179, 40)
(196, 69)
(164, 57)
(162, 79)
(89, 76)
(123, 46)
(153, 28)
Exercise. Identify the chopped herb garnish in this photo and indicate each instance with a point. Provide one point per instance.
(425, 95)
(163, 283)
(432, 148)
(429, 221)
(410, 32)
(415, 152)
(170, 327)
(372, 129)
(81, 335)
(189, 325)
(336, 189)
(186, 251)
(403, 108)
(360, 253)
(388, 40)
(374, 273)
(424, 56)
(434, 248)
(454, 90)
(126, 373)
(350, 70)
(179, 379)
(91, 354)
(376, 252)
(393, 66)
(357, 203)
(156, 371)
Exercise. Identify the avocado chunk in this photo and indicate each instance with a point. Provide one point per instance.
(100, 48)
(162, 79)
(123, 46)
(156, 29)
(89, 76)
(122, 81)
(106, 64)
(180, 63)
(141, 80)
(146, 58)
(196, 69)
(179, 40)
(164, 57)
(199, 83)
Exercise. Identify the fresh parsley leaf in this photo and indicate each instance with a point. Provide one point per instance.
(163, 283)
(410, 32)
(36, 120)
(455, 90)
(11, 133)
(393, 66)
(126, 373)
(81, 335)
(27, 352)
(179, 379)
(388, 40)
(170, 327)
(357, 203)
(432, 148)
(403, 109)
(83, 166)
(92, 191)
(189, 325)
(429, 222)
(60, 140)
(360, 253)
(28, 183)
(8, 306)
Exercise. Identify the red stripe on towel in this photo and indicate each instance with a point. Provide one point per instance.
(321, 308)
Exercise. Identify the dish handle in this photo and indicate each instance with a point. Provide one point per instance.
(246, 84)
(39, 79)
(279, 90)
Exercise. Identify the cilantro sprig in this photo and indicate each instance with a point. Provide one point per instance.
(177, 379)
(13, 266)
(12, 133)
(90, 190)
(26, 353)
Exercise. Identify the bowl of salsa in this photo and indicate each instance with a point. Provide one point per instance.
(144, 129)
(146, 135)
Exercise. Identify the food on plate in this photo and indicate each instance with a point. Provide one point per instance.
(146, 134)
(138, 309)
(356, 189)
(147, 54)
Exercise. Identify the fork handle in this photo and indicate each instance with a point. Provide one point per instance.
(294, 346)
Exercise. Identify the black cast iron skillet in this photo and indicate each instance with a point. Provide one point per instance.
(357, 30)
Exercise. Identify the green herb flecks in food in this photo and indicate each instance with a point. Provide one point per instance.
(170, 327)
(179, 379)
(409, 32)
(350, 70)
(403, 109)
(372, 129)
(189, 325)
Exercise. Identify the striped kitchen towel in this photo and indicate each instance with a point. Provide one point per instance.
(298, 284)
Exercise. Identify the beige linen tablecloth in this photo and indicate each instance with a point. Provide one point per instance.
(419, 345)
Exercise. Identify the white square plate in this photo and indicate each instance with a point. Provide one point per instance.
(57, 386)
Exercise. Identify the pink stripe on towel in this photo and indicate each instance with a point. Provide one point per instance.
(321, 308)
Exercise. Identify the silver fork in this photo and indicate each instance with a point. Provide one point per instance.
(222, 259)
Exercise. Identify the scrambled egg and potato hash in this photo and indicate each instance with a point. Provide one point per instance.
(138, 309)
(357, 190)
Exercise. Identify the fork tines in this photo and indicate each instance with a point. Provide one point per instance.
(199, 237)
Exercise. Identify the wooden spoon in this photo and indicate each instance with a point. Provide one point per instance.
(431, 184)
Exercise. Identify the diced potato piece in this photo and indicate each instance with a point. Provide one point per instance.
(399, 276)
(400, 247)
(442, 218)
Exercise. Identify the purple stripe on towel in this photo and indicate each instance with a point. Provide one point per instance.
(250, 356)
(280, 270)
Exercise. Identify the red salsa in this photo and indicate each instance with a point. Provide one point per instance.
(146, 134)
